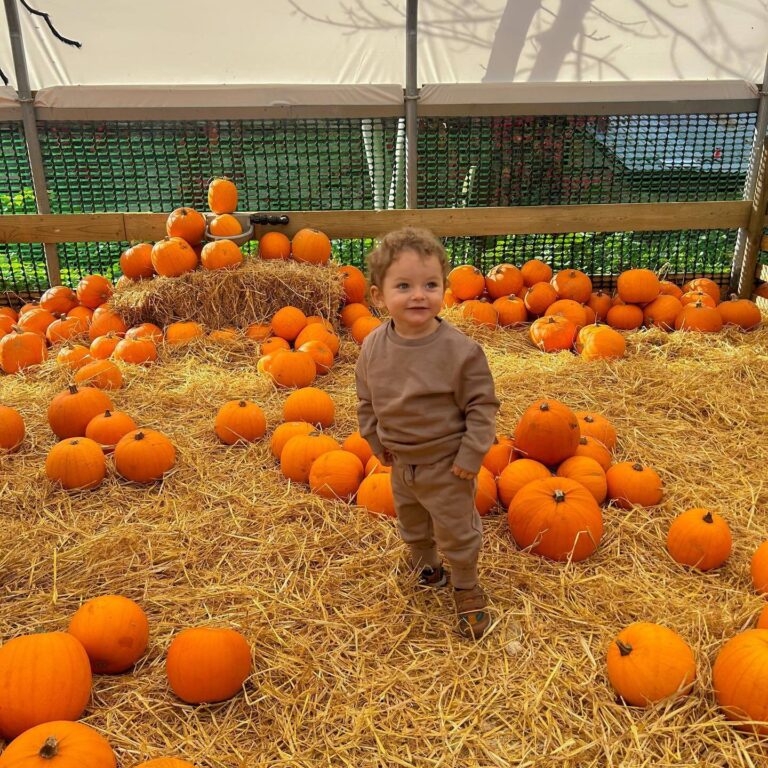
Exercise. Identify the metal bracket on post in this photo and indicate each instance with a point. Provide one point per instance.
(754, 231)
(31, 137)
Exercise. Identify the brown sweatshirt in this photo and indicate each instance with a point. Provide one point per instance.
(426, 399)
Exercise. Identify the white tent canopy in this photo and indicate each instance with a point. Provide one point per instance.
(244, 42)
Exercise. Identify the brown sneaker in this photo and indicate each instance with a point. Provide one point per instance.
(470, 609)
(433, 577)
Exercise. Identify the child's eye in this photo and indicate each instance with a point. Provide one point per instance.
(432, 286)
(402, 286)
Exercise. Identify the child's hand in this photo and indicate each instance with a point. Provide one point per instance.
(462, 473)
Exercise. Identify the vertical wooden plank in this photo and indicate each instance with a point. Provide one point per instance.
(755, 227)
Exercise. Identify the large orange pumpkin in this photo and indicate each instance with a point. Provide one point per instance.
(173, 256)
(114, 631)
(108, 428)
(535, 271)
(59, 744)
(222, 195)
(557, 518)
(466, 282)
(221, 254)
(503, 280)
(59, 299)
(375, 494)
(11, 429)
(648, 663)
(354, 283)
(70, 411)
(741, 312)
(638, 286)
(240, 421)
(554, 333)
(631, 483)
(700, 539)
(548, 431)
(310, 404)
(573, 284)
(662, 311)
(144, 456)
(301, 451)
(76, 463)
(311, 246)
(207, 664)
(274, 245)
(103, 374)
(740, 679)
(517, 475)
(20, 349)
(93, 291)
(186, 224)
(43, 677)
(336, 474)
(136, 261)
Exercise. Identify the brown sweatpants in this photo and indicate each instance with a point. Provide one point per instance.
(434, 507)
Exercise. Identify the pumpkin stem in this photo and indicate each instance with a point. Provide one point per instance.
(589, 419)
(72, 389)
(242, 404)
(583, 440)
(558, 495)
(637, 466)
(624, 648)
(139, 436)
(544, 407)
(708, 518)
(107, 414)
(50, 748)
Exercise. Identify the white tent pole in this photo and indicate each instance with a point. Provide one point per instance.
(30, 132)
(741, 282)
(411, 98)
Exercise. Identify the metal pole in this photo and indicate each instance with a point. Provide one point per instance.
(30, 132)
(737, 279)
(411, 99)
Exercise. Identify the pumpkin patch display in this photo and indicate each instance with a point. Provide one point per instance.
(114, 631)
(631, 483)
(548, 431)
(740, 679)
(647, 663)
(184, 224)
(700, 539)
(76, 463)
(59, 743)
(557, 518)
(301, 451)
(207, 664)
(310, 404)
(336, 474)
(240, 421)
(43, 677)
(144, 456)
(11, 429)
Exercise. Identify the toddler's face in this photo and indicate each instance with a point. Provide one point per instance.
(412, 292)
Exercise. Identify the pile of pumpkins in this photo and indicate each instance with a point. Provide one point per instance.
(46, 680)
(565, 313)
(182, 250)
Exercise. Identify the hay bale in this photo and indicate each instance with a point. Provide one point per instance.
(225, 298)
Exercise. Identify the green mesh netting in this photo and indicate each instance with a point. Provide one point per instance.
(334, 164)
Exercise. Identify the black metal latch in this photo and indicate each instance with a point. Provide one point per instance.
(262, 219)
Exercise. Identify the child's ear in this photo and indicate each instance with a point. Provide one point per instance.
(376, 297)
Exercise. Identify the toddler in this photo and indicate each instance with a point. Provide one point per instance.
(427, 406)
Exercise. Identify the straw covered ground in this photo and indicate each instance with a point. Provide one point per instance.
(237, 297)
(353, 666)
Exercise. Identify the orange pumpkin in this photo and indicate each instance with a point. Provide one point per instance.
(73, 357)
(741, 312)
(59, 743)
(100, 373)
(698, 317)
(633, 484)
(293, 369)
(93, 290)
(301, 451)
(363, 326)
(222, 195)
(183, 332)
(354, 283)
(318, 332)
(358, 445)
(706, 285)
(375, 494)
(36, 320)
(285, 432)
(309, 404)
(274, 344)
(136, 351)
(552, 334)
(481, 312)
(740, 679)
(185, 224)
(594, 449)
(503, 280)
(511, 311)
(11, 429)
(699, 538)
(599, 342)
(70, 411)
(556, 518)
(572, 284)
(624, 317)
(535, 271)
(336, 474)
(173, 256)
(597, 426)
(319, 352)
(311, 246)
(114, 631)
(21, 349)
(548, 431)
(102, 347)
(240, 421)
(569, 309)
(517, 475)
(758, 569)
(65, 329)
(207, 664)
(136, 262)
(638, 286)
(662, 311)
(499, 456)
(538, 297)
(691, 297)
(144, 456)
(588, 472)
(221, 254)
(486, 493)
(668, 288)
(288, 322)
(104, 321)
(274, 245)
(225, 225)
(59, 299)
(647, 663)
(84, 313)
(352, 312)
(108, 428)
(44, 677)
(599, 302)
(466, 282)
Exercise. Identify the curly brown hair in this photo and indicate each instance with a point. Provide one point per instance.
(420, 241)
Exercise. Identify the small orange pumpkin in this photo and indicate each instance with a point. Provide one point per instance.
(240, 421)
(301, 451)
(358, 445)
(517, 475)
(631, 483)
(288, 322)
(638, 286)
(222, 195)
(285, 432)
(354, 283)
(700, 539)
(221, 254)
(225, 225)
(310, 404)
(144, 455)
(466, 282)
(185, 224)
(21, 349)
(503, 280)
(554, 333)
(70, 411)
(103, 374)
(137, 351)
(511, 311)
(535, 271)
(548, 431)
(538, 297)
(11, 429)
(93, 290)
(274, 245)
(108, 428)
(375, 494)
(336, 474)
(311, 246)
(136, 262)
(104, 321)
(173, 256)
